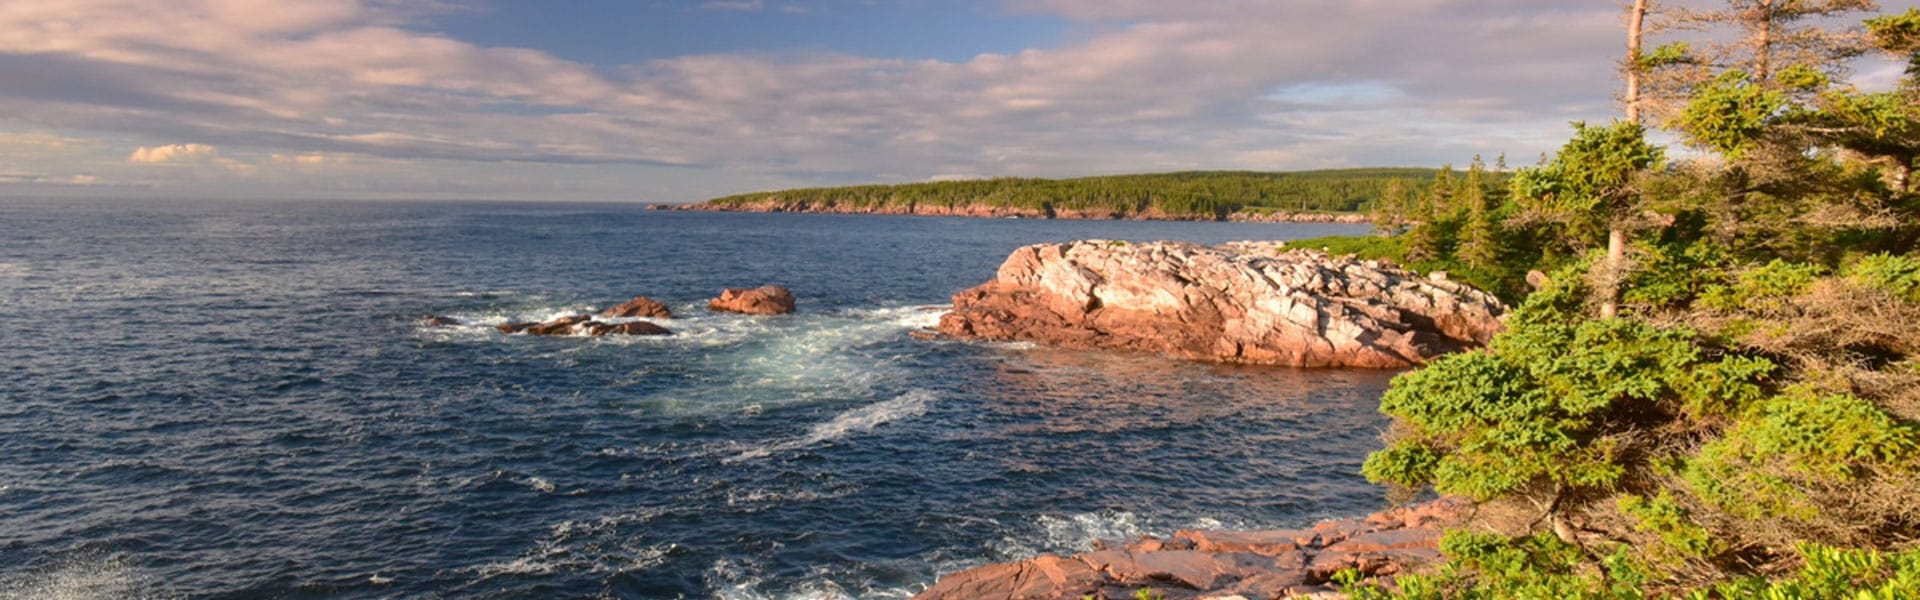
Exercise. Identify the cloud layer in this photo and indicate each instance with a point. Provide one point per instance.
(1138, 85)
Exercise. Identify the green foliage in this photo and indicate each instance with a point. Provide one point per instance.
(1590, 180)
(1837, 573)
(1829, 436)
(1730, 113)
(1764, 287)
(1365, 247)
(1490, 566)
(1479, 246)
(1536, 411)
(1667, 55)
(1801, 78)
(1663, 517)
(1897, 275)
(1761, 466)
(1203, 194)
(1672, 275)
(1899, 35)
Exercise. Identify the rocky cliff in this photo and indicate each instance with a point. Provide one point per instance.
(1247, 302)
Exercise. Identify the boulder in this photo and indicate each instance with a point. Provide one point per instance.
(1247, 302)
(763, 300)
(639, 306)
(439, 321)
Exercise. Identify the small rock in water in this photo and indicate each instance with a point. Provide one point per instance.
(639, 306)
(439, 321)
(763, 300)
(633, 328)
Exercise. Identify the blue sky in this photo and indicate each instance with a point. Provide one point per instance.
(671, 101)
(633, 31)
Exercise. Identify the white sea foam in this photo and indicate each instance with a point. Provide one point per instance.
(742, 580)
(911, 404)
(86, 578)
(540, 485)
(585, 546)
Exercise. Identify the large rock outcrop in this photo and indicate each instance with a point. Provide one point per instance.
(1254, 565)
(639, 306)
(763, 300)
(1246, 302)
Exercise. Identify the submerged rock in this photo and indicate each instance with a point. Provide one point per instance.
(1245, 302)
(583, 325)
(639, 306)
(1220, 564)
(763, 300)
(628, 328)
(439, 321)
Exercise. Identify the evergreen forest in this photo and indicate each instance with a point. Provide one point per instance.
(1194, 194)
(1710, 387)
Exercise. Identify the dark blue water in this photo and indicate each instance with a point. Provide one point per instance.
(237, 400)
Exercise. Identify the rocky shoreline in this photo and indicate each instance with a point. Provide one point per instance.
(1246, 302)
(1249, 565)
(987, 211)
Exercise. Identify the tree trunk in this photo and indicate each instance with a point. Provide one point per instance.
(1763, 43)
(1615, 267)
(1635, 18)
(1617, 237)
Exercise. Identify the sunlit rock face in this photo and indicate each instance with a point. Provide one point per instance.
(1245, 302)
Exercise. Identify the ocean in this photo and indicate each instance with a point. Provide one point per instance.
(238, 399)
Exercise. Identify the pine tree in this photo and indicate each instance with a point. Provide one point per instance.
(1478, 248)
(1427, 240)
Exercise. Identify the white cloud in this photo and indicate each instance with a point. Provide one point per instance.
(188, 154)
(173, 153)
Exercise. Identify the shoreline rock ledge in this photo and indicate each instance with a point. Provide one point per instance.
(1247, 565)
(1243, 302)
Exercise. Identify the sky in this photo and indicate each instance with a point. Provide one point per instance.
(683, 100)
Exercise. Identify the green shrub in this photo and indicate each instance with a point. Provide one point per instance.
(1761, 288)
(1680, 538)
(1490, 566)
(1898, 275)
(1836, 573)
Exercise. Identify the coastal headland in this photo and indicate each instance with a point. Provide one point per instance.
(1326, 196)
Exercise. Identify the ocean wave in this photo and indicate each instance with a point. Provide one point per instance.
(911, 404)
(585, 546)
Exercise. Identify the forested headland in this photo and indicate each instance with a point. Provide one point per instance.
(1190, 195)
(1711, 385)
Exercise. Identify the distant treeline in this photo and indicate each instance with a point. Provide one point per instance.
(1190, 193)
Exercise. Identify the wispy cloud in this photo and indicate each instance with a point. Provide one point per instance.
(735, 5)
